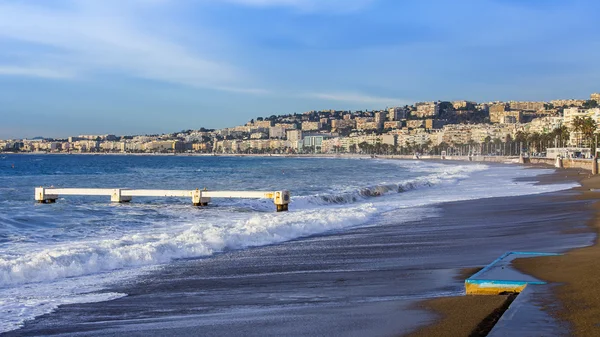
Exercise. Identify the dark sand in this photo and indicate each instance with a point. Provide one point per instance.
(473, 310)
(461, 316)
(577, 272)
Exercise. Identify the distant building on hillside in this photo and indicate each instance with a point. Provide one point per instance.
(428, 109)
(463, 105)
(527, 106)
(567, 102)
(311, 126)
(396, 114)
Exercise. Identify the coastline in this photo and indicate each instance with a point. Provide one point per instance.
(576, 273)
(585, 164)
(363, 281)
(558, 177)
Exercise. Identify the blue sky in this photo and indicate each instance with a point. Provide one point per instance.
(71, 67)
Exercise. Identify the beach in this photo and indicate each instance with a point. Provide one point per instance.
(478, 313)
(359, 281)
(576, 273)
(394, 275)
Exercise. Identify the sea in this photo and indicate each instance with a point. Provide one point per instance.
(85, 249)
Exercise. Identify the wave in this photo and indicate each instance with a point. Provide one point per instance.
(197, 240)
(443, 176)
(217, 234)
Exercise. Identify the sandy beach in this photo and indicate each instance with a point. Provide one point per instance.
(576, 272)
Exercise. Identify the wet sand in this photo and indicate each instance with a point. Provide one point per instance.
(469, 320)
(577, 273)
(580, 268)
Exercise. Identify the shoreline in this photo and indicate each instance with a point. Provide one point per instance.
(574, 271)
(175, 300)
(575, 274)
(585, 164)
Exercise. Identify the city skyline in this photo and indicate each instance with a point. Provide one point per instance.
(155, 66)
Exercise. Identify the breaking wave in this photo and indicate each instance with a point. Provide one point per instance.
(197, 240)
(446, 176)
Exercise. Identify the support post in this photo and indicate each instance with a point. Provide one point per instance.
(116, 196)
(559, 162)
(595, 165)
(43, 198)
(198, 200)
(281, 200)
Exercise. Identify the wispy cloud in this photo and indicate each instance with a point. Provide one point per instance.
(107, 37)
(353, 97)
(337, 6)
(34, 72)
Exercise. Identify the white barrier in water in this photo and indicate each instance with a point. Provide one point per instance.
(281, 199)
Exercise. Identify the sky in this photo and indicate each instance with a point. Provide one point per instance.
(70, 67)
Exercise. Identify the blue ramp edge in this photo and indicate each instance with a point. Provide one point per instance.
(498, 276)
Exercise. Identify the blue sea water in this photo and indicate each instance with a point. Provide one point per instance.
(69, 252)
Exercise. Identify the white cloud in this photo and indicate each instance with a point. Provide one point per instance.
(108, 36)
(354, 97)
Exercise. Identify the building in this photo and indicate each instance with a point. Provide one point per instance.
(569, 152)
(430, 109)
(415, 124)
(294, 135)
(380, 119)
(201, 147)
(545, 124)
(509, 119)
(456, 134)
(93, 137)
(311, 126)
(527, 106)
(366, 123)
(313, 143)
(287, 126)
(463, 105)
(499, 114)
(343, 124)
(396, 114)
(595, 97)
(567, 102)
(263, 124)
(368, 126)
(392, 125)
(160, 146)
(277, 132)
(571, 113)
(431, 124)
(569, 116)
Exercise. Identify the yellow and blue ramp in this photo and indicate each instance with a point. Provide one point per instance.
(499, 277)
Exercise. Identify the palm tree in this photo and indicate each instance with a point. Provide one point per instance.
(532, 139)
(561, 134)
(588, 128)
(363, 146)
(577, 126)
